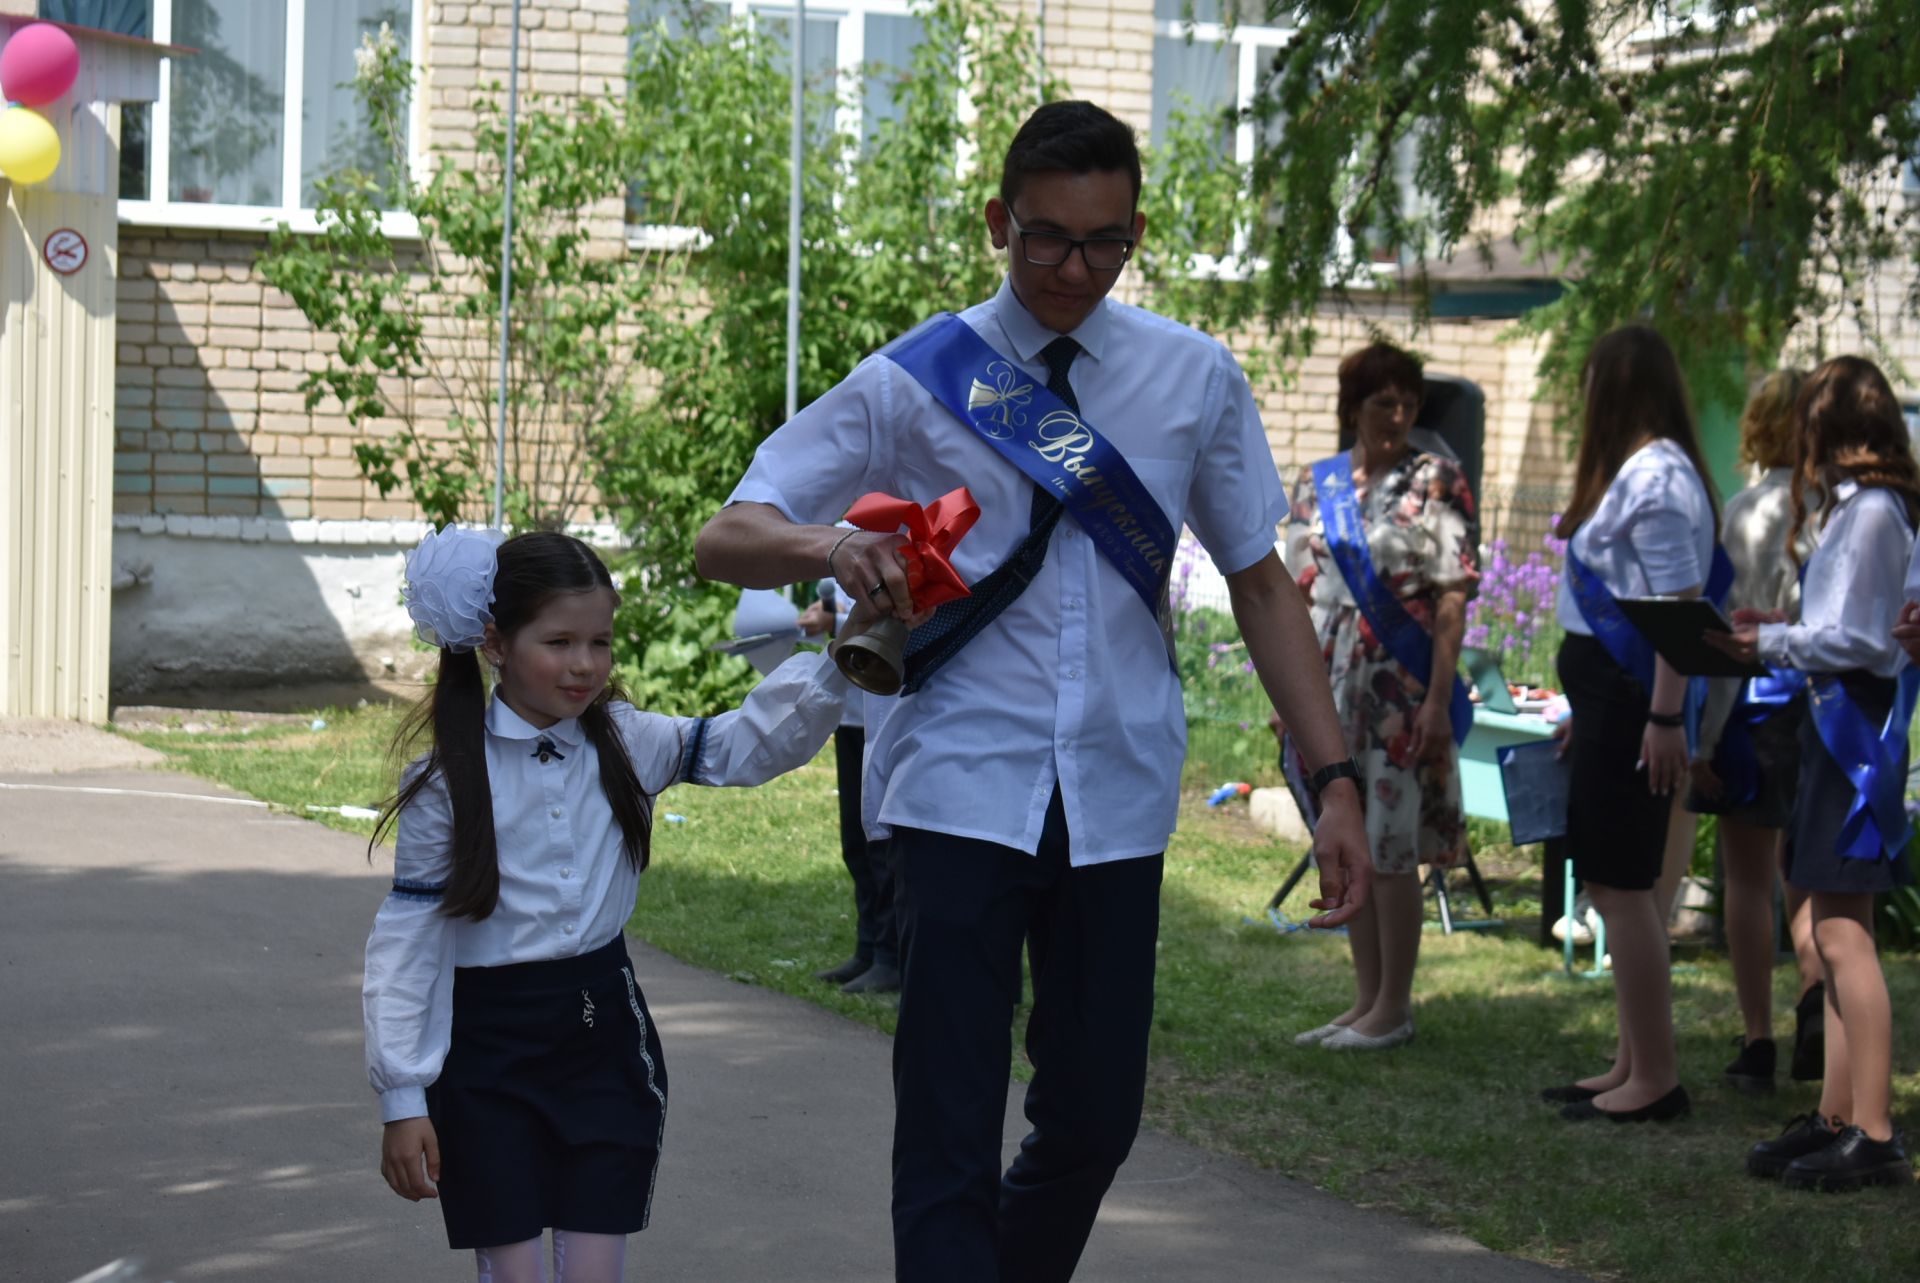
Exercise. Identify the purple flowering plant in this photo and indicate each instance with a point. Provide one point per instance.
(1514, 613)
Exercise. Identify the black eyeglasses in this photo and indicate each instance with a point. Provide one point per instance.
(1051, 249)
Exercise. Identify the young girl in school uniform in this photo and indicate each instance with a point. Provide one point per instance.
(1855, 453)
(520, 1078)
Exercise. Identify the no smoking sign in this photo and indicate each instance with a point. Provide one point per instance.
(65, 251)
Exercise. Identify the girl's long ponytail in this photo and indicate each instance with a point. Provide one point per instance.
(619, 781)
(456, 713)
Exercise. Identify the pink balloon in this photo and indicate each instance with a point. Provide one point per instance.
(39, 63)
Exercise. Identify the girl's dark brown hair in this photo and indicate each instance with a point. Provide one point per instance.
(1633, 387)
(1365, 372)
(532, 570)
(1851, 429)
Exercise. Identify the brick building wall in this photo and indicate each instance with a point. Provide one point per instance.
(211, 420)
(221, 468)
(209, 416)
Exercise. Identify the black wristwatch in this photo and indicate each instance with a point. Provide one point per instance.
(1672, 721)
(1345, 769)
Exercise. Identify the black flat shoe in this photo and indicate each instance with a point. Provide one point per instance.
(1752, 1070)
(1669, 1107)
(1804, 1134)
(1809, 1063)
(1571, 1094)
(1853, 1161)
(846, 971)
(879, 978)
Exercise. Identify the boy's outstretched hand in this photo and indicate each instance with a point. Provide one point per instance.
(410, 1158)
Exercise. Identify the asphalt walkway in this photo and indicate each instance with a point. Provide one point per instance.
(182, 1083)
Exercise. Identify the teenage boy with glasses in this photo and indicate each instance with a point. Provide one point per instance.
(1031, 783)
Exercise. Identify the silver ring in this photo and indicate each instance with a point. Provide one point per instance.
(876, 590)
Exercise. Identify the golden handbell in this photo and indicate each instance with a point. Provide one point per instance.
(875, 659)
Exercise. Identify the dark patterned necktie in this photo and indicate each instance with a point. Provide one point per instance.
(959, 622)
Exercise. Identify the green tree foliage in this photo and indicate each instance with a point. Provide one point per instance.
(892, 233)
(1727, 171)
(417, 320)
(1199, 228)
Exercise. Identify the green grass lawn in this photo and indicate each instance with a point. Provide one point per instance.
(749, 883)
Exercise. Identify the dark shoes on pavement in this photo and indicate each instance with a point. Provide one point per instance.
(879, 978)
(846, 971)
(1810, 1036)
(1752, 1069)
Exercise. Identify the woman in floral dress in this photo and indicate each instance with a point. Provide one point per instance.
(1423, 537)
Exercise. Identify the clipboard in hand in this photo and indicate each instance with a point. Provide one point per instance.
(1677, 628)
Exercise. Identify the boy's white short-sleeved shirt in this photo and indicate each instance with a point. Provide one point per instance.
(1071, 684)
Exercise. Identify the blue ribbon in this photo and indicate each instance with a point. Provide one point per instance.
(1410, 645)
(1876, 824)
(1039, 434)
(1765, 696)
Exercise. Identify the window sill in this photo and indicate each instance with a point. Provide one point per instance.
(188, 216)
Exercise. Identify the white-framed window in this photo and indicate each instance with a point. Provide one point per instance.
(844, 39)
(246, 125)
(1202, 67)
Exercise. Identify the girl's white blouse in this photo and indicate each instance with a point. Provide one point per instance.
(1853, 590)
(1651, 534)
(566, 886)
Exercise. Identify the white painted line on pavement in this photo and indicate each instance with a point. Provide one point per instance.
(181, 797)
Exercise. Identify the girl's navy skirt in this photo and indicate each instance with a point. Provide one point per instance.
(553, 1101)
(1814, 862)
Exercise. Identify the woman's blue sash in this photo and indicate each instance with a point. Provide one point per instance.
(1876, 826)
(1410, 645)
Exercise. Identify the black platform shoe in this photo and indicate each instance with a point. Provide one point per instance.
(1674, 1104)
(1853, 1161)
(1810, 1036)
(1752, 1069)
(1804, 1134)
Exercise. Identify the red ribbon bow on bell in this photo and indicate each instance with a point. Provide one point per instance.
(931, 533)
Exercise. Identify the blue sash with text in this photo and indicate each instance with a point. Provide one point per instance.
(1037, 433)
(1410, 645)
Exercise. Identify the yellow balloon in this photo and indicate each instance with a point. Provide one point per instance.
(29, 146)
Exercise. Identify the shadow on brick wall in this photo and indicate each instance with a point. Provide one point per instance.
(235, 581)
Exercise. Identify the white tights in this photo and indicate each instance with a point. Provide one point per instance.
(577, 1258)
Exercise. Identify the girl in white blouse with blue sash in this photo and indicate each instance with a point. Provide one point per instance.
(1849, 832)
(1641, 522)
(521, 1081)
